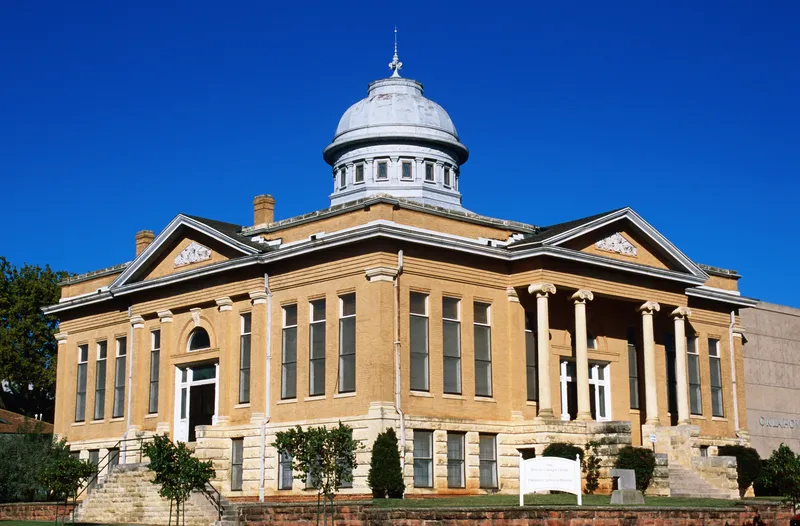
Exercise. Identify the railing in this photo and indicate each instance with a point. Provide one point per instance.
(111, 459)
(215, 497)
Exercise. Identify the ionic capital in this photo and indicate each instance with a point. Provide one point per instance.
(513, 297)
(165, 316)
(582, 296)
(649, 307)
(224, 304)
(258, 297)
(682, 312)
(137, 322)
(541, 289)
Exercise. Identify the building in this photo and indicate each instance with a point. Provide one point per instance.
(13, 423)
(397, 307)
(772, 373)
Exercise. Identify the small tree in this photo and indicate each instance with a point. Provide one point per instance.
(385, 475)
(322, 457)
(23, 455)
(63, 475)
(562, 450)
(639, 459)
(177, 472)
(591, 467)
(782, 471)
(748, 465)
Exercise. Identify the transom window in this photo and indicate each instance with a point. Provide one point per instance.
(199, 340)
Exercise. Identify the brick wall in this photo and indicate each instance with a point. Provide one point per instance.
(33, 511)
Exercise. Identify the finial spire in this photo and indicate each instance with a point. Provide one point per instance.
(395, 65)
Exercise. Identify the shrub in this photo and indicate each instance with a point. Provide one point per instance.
(640, 460)
(562, 450)
(385, 472)
(748, 464)
(782, 472)
(23, 458)
(591, 467)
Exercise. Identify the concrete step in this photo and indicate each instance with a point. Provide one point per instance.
(686, 483)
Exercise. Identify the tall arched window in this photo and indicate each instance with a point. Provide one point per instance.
(199, 340)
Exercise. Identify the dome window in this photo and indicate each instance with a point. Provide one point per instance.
(447, 176)
(199, 340)
(383, 171)
(407, 170)
(342, 177)
(429, 173)
(359, 178)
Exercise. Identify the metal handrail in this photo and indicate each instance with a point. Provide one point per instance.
(105, 462)
(215, 497)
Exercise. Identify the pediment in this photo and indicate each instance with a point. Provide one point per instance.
(190, 252)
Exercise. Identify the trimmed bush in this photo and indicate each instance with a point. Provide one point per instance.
(748, 465)
(640, 460)
(385, 475)
(562, 450)
(781, 471)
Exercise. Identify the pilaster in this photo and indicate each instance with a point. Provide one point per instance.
(166, 379)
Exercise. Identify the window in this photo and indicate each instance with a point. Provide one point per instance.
(199, 340)
(418, 326)
(100, 381)
(246, 321)
(312, 477)
(113, 459)
(695, 395)
(289, 355)
(80, 391)
(483, 350)
(672, 382)
(633, 369)
(347, 343)
(532, 373)
(455, 460)
(359, 178)
(94, 460)
(716, 377)
(429, 173)
(488, 460)
(451, 334)
(285, 471)
(237, 457)
(119, 378)
(316, 352)
(383, 170)
(342, 177)
(155, 359)
(406, 170)
(423, 459)
(447, 181)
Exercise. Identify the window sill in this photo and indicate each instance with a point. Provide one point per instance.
(118, 419)
(719, 419)
(485, 399)
(97, 422)
(154, 415)
(697, 417)
(531, 403)
(78, 424)
(345, 395)
(314, 398)
(453, 396)
(636, 411)
(241, 406)
(286, 401)
(423, 394)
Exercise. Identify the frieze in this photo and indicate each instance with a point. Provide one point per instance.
(194, 253)
(618, 244)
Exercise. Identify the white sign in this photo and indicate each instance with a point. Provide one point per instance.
(653, 438)
(550, 473)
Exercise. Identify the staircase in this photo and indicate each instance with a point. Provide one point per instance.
(128, 496)
(684, 482)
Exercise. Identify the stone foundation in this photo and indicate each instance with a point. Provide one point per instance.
(34, 511)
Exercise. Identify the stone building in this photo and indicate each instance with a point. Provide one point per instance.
(397, 307)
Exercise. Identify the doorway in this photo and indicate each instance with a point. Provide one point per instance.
(196, 398)
(599, 390)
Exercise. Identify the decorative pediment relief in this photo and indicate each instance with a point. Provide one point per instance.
(618, 244)
(193, 253)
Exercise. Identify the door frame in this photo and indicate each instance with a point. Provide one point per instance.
(564, 378)
(182, 410)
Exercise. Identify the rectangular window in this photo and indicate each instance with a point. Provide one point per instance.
(316, 352)
(347, 343)
(451, 345)
(406, 170)
(285, 471)
(455, 460)
(633, 369)
(80, 391)
(359, 178)
(716, 377)
(94, 460)
(342, 177)
(155, 363)
(289, 355)
(531, 367)
(418, 326)
(695, 395)
(429, 173)
(483, 350)
(488, 460)
(447, 181)
(113, 459)
(383, 170)
(237, 460)
(672, 382)
(100, 381)
(423, 459)
(119, 378)
(246, 321)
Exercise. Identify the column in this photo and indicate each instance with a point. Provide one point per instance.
(419, 169)
(681, 374)
(648, 309)
(582, 353)
(350, 172)
(226, 389)
(438, 175)
(369, 171)
(542, 290)
(393, 170)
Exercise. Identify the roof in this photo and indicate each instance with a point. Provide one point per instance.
(10, 423)
(232, 231)
(546, 232)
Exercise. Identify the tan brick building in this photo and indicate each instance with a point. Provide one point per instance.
(397, 307)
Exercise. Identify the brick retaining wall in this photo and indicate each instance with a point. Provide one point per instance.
(365, 514)
(33, 511)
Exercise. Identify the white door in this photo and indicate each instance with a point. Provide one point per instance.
(183, 379)
(599, 391)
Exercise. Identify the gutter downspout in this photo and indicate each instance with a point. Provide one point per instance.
(130, 388)
(397, 377)
(733, 375)
(267, 390)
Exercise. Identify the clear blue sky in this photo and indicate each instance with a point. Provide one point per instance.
(116, 116)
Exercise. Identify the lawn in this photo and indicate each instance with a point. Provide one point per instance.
(542, 500)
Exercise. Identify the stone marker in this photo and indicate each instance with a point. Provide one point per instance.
(626, 494)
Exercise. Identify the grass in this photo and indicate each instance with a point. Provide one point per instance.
(543, 500)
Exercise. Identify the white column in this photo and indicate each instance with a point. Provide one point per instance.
(648, 309)
(438, 173)
(369, 175)
(582, 353)
(393, 170)
(419, 169)
(542, 290)
(681, 374)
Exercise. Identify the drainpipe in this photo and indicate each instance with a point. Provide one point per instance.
(130, 387)
(733, 374)
(397, 378)
(267, 389)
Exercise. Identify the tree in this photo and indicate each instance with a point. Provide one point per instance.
(385, 475)
(639, 459)
(22, 457)
(64, 475)
(27, 346)
(748, 464)
(177, 472)
(591, 467)
(321, 457)
(782, 472)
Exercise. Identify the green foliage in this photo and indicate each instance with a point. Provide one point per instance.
(23, 456)
(748, 464)
(639, 459)
(591, 467)
(562, 450)
(27, 346)
(176, 470)
(781, 471)
(385, 475)
(64, 475)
